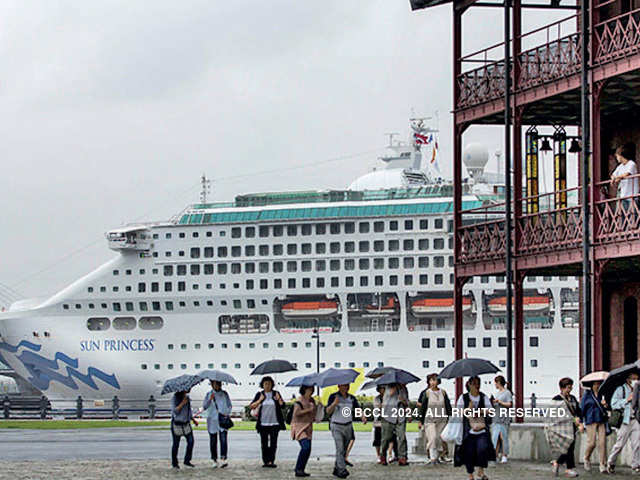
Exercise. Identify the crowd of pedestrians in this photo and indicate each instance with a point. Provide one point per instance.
(483, 433)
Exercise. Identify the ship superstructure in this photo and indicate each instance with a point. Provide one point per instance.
(228, 285)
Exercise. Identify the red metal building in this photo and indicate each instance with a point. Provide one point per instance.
(556, 83)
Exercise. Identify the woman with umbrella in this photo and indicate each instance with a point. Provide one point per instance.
(476, 449)
(270, 419)
(181, 415)
(594, 419)
(217, 406)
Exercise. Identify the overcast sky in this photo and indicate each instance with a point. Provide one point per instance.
(113, 109)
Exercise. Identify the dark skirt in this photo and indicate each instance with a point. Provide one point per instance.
(475, 451)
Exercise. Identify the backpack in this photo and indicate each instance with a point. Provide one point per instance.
(289, 416)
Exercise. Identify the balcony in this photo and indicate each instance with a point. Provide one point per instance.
(552, 236)
(551, 56)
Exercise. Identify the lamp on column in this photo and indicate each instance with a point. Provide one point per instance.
(546, 146)
(575, 146)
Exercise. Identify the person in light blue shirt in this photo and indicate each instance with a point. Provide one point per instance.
(630, 428)
(216, 403)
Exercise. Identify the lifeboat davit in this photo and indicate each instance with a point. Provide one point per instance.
(309, 309)
(424, 306)
(530, 304)
(388, 307)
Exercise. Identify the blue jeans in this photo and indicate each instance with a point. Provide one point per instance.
(303, 456)
(213, 444)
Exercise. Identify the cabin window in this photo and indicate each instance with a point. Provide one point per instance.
(533, 341)
(124, 323)
(150, 323)
(98, 324)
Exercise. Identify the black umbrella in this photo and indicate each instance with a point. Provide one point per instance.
(378, 372)
(273, 366)
(616, 378)
(468, 367)
(397, 376)
(368, 385)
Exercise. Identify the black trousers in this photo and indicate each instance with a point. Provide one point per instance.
(176, 444)
(269, 443)
(569, 457)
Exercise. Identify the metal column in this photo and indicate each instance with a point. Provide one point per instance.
(507, 186)
(586, 160)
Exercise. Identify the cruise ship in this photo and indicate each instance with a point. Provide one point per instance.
(228, 285)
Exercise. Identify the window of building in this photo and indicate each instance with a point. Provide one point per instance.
(533, 341)
(363, 227)
(471, 342)
(486, 342)
(426, 343)
(534, 363)
(438, 243)
(502, 341)
(440, 342)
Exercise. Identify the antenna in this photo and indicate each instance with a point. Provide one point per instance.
(205, 184)
(391, 135)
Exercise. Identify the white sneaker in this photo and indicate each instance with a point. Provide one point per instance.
(571, 473)
(587, 466)
(504, 459)
(223, 463)
(215, 464)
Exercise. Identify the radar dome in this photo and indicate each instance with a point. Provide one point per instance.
(475, 158)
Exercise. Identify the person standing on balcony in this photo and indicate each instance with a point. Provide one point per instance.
(627, 187)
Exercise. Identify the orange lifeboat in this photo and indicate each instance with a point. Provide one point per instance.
(530, 304)
(388, 307)
(309, 309)
(424, 306)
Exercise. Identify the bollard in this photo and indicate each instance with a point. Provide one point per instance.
(533, 400)
(115, 407)
(152, 407)
(6, 407)
(79, 407)
(43, 407)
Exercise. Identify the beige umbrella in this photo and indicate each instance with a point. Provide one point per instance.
(599, 376)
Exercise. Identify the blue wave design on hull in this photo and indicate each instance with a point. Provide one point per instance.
(43, 370)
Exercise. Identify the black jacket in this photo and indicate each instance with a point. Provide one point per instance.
(279, 414)
(423, 400)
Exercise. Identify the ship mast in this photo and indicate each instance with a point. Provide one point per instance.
(205, 188)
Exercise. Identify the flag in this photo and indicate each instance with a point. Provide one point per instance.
(421, 139)
(433, 152)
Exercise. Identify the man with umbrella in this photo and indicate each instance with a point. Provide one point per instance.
(629, 429)
(341, 407)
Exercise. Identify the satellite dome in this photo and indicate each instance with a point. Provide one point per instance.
(475, 158)
(379, 180)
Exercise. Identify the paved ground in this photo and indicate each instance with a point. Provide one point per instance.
(245, 469)
(140, 453)
(154, 443)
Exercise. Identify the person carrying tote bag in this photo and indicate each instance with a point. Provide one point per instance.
(217, 405)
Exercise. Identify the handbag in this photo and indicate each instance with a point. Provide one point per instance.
(225, 421)
(254, 412)
(616, 418)
(453, 432)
